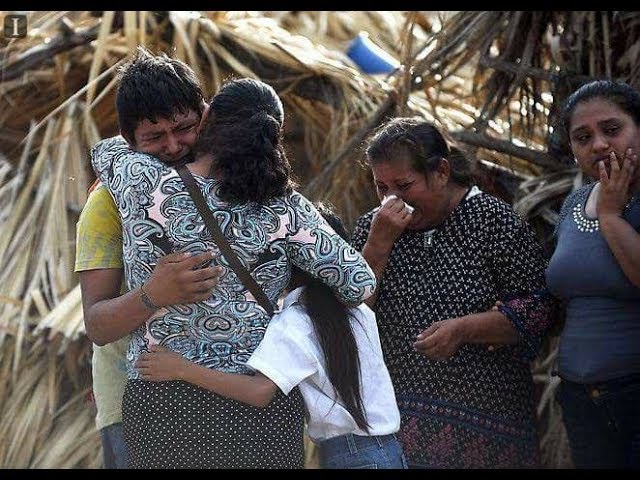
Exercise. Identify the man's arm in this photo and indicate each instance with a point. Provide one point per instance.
(109, 316)
(96, 286)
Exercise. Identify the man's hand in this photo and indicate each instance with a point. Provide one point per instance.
(442, 339)
(176, 279)
(161, 364)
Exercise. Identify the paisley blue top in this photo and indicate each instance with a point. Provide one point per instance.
(159, 217)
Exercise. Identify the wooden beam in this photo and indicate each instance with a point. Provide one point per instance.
(44, 52)
(541, 159)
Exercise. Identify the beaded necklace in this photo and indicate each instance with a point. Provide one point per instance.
(589, 225)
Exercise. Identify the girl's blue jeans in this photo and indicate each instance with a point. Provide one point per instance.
(357, 451)
(603, 422)
(113, 447)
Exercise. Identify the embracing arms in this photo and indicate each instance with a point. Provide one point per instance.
(161, 364)
(109, 316)
(318, 250)
(174, 280)
(282, 360)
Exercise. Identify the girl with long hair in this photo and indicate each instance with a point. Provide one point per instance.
(332, 352)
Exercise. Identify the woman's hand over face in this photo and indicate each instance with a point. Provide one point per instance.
(614, 186)
(389, 222)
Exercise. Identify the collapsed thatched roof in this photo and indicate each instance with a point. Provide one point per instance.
(493, 79)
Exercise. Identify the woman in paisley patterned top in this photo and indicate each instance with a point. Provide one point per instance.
(599, 353)
(461, 303)
(271, 227)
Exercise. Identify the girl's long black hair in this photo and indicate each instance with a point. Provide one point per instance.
(332, 323)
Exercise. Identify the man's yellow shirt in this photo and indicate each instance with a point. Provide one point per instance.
(99, 246)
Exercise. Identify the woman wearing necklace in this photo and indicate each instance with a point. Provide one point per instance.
(596, 270)
(444, 253)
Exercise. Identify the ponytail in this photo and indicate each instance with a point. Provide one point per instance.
(332, 322)
(243, 134)
(250, 160)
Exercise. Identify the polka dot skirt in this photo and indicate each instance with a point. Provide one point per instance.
(179, 425)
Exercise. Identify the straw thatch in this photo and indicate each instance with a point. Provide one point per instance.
(492, 79)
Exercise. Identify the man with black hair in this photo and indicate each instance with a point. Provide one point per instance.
(160, 105)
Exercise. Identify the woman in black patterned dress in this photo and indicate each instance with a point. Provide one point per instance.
(461, 305)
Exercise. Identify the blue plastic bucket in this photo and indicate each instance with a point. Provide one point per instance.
(369, 57)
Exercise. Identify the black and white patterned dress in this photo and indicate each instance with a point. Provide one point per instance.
(475, 410)
(178, 425)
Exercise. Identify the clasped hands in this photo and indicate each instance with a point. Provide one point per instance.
(442, 339)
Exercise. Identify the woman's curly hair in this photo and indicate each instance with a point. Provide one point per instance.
(244, 135)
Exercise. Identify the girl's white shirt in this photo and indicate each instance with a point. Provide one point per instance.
(290, 355)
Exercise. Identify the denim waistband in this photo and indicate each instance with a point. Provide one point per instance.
(352, 443)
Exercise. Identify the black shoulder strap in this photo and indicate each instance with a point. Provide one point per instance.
(211, 223)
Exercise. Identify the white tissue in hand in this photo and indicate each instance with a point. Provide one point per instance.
(386, 199)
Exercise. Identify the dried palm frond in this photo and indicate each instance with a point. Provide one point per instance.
(554, 446)
(36, 254)
(45, 421)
